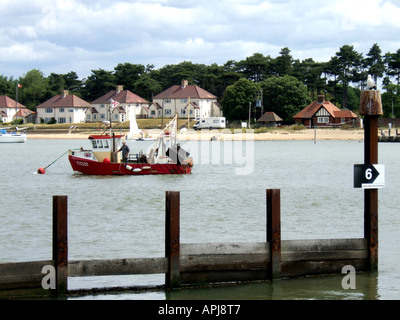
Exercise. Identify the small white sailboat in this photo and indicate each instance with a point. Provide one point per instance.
(17, 136)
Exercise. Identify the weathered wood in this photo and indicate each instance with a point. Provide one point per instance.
(371, 103)
(324, 244)
(371, 195)
(274, 231)
(172, 238)
(295, 269)
(22, 274)
(107, 267)
(60, 243)
(224, 248)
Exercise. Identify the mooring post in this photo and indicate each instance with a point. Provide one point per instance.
(371, 108)
(60, 243)
(172, 239)
(274, 231)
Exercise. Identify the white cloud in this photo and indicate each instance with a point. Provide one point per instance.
(84, 35)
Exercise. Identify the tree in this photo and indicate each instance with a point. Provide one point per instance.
(374, 62)
(254, 67)
(283, 64)
(35, 88)
(97, 84)
(349, 61)
(237, 98)
(127, 74)
(285, 96)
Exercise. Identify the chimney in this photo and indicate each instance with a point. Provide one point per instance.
(184, 83)
(65, 93)
(119, 88)
(321, 98)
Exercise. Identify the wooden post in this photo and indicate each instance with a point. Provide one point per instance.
(274, 231)
(60, 243)
(371, 108)
(172, 239)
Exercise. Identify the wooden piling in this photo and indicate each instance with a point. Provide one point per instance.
(172, 239)
(60, 243)
(371, 108)
(274, 231)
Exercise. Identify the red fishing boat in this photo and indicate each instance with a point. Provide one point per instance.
(165, 156)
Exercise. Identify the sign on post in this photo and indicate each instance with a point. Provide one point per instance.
(369, 176)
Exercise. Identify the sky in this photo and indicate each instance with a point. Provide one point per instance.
(59, 36)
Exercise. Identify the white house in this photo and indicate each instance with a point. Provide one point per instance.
(10, 110)
(120, 103)
(179, 98)
(64, 108)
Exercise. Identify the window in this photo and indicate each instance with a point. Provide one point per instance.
(183, 111)
(153, 112)
(168, 111)
(167, 100)
(49, 110)
(102, 116)
(323, 119)
(343, 120)
(62, 120)
(184, 100)
(70, 110)
(62, 110)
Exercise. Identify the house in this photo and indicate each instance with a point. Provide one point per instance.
(62, 108)
(179, 98)
(11, 110)
(120, 103)
(322, 113)
(270, 119)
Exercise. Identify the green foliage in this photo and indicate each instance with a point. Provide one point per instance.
(285, 96)
(286, 83)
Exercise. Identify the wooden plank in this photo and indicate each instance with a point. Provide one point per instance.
(320, 255)
(274, 231)
(311, 268)
(172, 238)
(60, 243)
(22, 274)
(225, 248)
(324, 244)
(225, 262)
(107, 267)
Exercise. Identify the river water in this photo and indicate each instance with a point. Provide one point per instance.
(223, 200)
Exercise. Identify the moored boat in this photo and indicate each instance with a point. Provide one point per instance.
(7, 136)
(104, 159)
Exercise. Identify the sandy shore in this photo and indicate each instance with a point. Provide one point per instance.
(307, 134)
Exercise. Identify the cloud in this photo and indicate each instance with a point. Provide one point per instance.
(76, 35)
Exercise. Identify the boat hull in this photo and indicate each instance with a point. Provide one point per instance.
(92, 167)
(12, 138)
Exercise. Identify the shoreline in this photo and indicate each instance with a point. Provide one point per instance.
(278, 135)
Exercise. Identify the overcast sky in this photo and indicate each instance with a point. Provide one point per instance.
(74, 35)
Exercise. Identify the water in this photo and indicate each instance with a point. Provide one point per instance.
(123, 217)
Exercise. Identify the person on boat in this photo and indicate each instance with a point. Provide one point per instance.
(125, 152)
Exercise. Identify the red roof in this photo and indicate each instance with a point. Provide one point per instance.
(189, 91)
(6, 102)
(61, 101)
(123, 96)
(313, 108)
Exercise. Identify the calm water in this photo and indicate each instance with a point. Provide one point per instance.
(222, 201)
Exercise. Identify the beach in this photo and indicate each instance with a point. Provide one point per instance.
(273, 135)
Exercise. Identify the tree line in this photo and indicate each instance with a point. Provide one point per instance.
(280, 84)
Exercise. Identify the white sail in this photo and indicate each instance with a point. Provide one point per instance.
(133, 129)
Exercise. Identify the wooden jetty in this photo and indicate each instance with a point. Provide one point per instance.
(191, 264)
